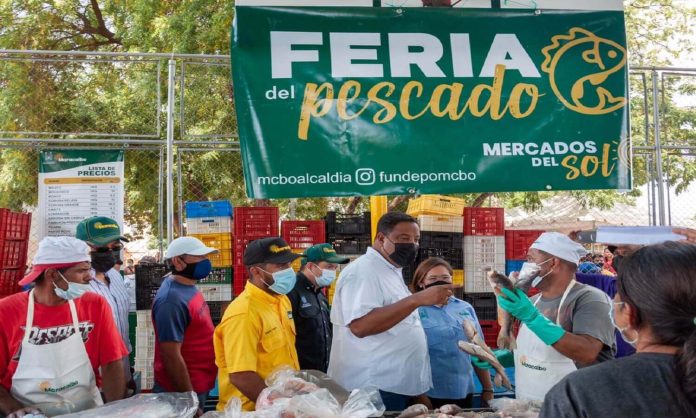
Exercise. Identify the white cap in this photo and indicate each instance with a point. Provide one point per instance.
(187, 245)
(559, 245)
(57, 252)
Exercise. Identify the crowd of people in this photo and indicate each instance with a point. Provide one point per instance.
(64, 343)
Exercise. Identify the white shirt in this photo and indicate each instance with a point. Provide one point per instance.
(117, 295)
(396, 360)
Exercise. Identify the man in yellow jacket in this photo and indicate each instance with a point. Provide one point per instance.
(257, 332)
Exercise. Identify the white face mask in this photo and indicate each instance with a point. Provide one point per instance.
(530, 270)
(74, 291)
(612, 316)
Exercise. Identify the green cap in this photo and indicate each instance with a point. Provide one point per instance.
(323, 252)
(99, 231)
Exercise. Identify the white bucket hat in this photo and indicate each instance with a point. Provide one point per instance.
(559, 245)
(56, 252)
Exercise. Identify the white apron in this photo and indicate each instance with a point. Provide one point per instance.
(56, 378)
(538, 367)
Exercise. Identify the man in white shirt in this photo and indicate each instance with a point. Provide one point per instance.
(378, 336)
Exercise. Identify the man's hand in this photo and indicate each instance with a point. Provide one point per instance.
(435, 295)
(689, 233)
(518, 305)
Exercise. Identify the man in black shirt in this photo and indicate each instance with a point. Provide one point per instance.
(310, 308)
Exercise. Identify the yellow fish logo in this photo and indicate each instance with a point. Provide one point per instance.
(604, 55)
(276, 249)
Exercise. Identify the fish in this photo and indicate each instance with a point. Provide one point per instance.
(501, 378)
(506, 337)
(415, 411)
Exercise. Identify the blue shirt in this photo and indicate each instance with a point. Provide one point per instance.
(453, 373)
(117, 295)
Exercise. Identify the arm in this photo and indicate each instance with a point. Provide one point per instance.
(175, 366)
(249, 383)
(484, 376)
(8, 404)
(382, 319)
(113, 381)
(580, 348)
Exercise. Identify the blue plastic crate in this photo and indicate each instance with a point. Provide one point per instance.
(215, 392)
(513, 265)
(206, 209)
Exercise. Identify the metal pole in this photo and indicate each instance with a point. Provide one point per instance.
(170, 150)
(160, 200)
(180, 189)
(658, 151)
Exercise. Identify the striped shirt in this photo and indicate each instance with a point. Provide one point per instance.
(117, 296)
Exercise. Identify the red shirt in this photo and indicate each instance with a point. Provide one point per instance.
(53, 324)
(180, 315)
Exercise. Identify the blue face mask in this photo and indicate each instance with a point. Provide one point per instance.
(283, 281)
(196, 271)
(75, 290)
(327, 277)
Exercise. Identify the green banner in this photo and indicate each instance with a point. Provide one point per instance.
(382, 101)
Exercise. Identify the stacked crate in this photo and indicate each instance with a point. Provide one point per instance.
(145, 349)
(14, 241)
(250, 223)
(211, 222)
(301, 235)
(517, 243)
(441, 225)
(349, 234)
(484, 251)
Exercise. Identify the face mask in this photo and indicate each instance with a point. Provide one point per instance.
(75, 290)
(195, 271)
(437, 283)
(103, 261)
(283, 281)
(612, 316)
(535, 266)
(404, 253)
(327, 277)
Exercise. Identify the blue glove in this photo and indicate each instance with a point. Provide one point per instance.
(519, 306)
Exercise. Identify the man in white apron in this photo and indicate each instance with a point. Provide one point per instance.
(55, 337)
(565, 327)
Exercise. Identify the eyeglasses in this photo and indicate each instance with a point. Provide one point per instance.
(443, 277)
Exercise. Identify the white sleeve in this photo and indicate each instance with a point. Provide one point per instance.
(356, 295)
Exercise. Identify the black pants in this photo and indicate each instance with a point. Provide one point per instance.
(462, 403)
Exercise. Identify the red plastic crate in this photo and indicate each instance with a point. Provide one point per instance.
(14, 226)
(517, 243)
(303, 234)
(9, 280)
(241, 275)
(490, 332)
(13, 254)
(484, 221)
(256, 221)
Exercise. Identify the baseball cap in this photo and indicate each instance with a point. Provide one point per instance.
(323, 252)
(187, 245)
(56, 252)
(269, 250)
(559, 245)
(99, 231)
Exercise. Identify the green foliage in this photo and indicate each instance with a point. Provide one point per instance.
(67, 97)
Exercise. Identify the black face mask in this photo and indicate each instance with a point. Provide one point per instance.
(104, 261)
(437, 283)
(404, 253)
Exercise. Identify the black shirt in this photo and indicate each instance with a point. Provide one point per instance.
(310, 309)
(639, 386)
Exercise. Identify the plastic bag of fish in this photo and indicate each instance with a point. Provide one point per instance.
(151, 405)
(293, 394)
(503, 407)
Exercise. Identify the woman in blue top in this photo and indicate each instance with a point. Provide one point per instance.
(452, 370)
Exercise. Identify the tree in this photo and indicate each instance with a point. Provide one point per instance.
(74, 96)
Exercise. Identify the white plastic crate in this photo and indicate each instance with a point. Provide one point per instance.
(210, 225)
(147, 374)
(477, 278)
(144, 319)
(441, 223)
(216, 292)
(484, 251)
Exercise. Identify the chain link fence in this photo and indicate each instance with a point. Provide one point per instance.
(55, 100)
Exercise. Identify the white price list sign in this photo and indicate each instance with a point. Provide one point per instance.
(78, 184)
